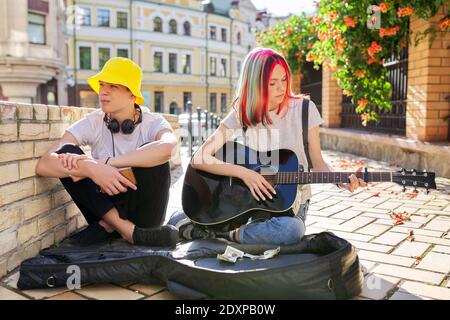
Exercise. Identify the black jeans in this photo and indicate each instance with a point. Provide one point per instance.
(146, 207)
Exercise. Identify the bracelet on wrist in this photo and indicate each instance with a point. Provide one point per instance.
(106, 162)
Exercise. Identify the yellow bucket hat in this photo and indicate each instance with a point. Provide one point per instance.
(122, 71)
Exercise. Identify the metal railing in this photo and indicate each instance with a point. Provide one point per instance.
(394, 120)
(198, 127)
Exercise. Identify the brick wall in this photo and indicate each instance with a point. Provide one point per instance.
(428, 84)
(331, 100)
(35, 212)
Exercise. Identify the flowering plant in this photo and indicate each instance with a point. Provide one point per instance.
(292, 37)
(353, 38)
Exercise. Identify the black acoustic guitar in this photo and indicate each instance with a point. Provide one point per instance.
(210, 199)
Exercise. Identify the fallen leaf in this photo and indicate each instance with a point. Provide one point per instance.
(418, 259)
(376, 194)
(399, 217)
(411, 236)
(411, 195)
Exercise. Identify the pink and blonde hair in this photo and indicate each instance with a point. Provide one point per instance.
(252, 94)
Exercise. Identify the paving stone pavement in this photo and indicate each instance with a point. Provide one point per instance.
(397, 266)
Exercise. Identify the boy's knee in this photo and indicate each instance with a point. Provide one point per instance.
(69, 148)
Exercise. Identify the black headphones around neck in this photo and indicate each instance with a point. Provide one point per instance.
(127, 126)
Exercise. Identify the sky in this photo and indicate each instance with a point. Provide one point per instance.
(284, 7)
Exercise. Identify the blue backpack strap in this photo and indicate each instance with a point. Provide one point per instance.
(305, 107)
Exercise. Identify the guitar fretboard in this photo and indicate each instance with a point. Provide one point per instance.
(325, 177)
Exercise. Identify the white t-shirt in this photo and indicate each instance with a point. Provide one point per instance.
(285, 132)
(91, 130)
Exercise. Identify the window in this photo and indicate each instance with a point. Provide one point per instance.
(85, 14)
(36, 28)
(187, 96)
(122, 20)
(85, 58)
(187, 28)
(212, 33)
(224, 34)
(213, 102)
(157, 62)
(159, 101)
(103, 17)
(122, 53)
(172, 62)
(173, 108)
(173, 26)
(186, 63)
(223, 102)
(157, 24)
(212, 66)
(223, 67)
(238, 37)
(103, 55)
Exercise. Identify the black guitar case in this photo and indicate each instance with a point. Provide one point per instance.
(321, 266)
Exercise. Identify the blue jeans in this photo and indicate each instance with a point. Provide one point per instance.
(283, 230)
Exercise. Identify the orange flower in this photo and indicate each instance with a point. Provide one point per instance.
(299, 56)
(362, 103)
(288, 31)
(374, 48)
(384, 7)
(388, 31)
(309, 45)
(365, 119)
(444, 25)
(332, 15)
(316, 20)
(350, 22)
(360, 73)
(310, 57)
(322, 36)
(403, 12)
(339, 43)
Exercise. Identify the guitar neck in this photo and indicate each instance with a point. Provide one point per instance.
(325, 177)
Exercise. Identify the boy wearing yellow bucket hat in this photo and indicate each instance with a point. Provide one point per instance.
(120, 135)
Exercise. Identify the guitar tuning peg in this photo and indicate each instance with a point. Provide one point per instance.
(415, 190)
(428, 191)
(404, 188)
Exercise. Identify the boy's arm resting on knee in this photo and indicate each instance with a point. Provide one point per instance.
(149, 155)
(49, 165)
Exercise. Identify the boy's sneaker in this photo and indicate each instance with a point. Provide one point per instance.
(92, 234)
(163, 236)
(191, 231)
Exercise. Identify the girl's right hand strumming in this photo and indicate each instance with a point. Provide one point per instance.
(258, 185)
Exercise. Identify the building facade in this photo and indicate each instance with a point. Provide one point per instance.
(32, 55)
(188, 50)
